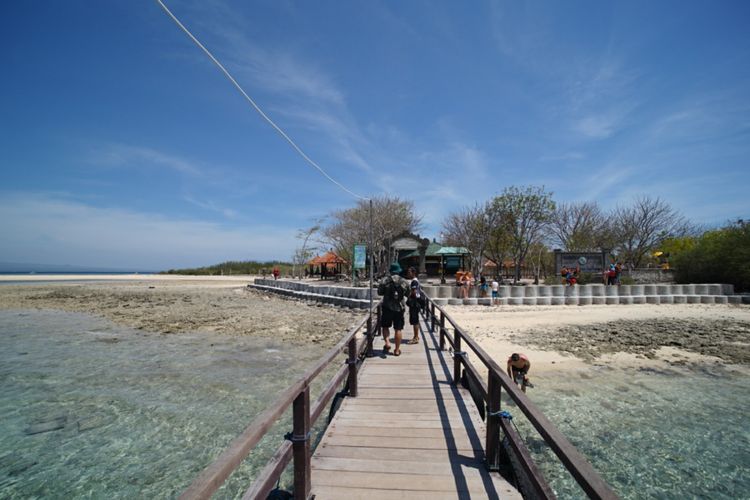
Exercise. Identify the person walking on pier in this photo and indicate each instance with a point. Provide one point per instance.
(415, 303)
(393, 288)
(518, 368)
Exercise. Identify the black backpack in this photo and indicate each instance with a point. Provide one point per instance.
(393, 295)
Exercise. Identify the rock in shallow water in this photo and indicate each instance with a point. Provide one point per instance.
(47, 426)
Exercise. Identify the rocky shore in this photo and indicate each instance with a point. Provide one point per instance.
(174, 307)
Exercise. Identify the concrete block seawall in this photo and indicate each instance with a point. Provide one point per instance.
(596, 294)
(530, 295)
(342, 296)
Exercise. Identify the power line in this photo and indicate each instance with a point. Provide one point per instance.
(257, 108)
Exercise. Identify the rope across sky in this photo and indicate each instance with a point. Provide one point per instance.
(257, 108)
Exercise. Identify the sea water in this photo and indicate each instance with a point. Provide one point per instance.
(89, 409)
(651, 434)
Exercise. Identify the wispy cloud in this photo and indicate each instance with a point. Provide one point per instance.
(120, 155)
(56, 229)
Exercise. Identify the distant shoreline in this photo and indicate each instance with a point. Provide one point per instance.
(53, 277)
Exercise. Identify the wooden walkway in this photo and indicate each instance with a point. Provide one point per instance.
(409, 433)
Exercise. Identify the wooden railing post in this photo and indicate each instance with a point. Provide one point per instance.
(432, 316)
(492, 444)
(442, 331)
(301, 444)
(457, 354)
(370, 336)
(352, 361)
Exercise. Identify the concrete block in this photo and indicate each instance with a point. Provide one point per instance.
(473, 292)
(687, 290)
(598, 301)
(530, 291)
(680, 299)
(636, 290)
(639, 299)
(701, 289)
(611, 291)
(501, 301)
(721, 299)
(470, 302)
(693, 299)
(455, 302)
(666, 299)
(543, 291)
(746, 299)
(486, 301)
(529, 301)
(558, 290)
(557, 300)
(597, 289)
(649, 290)
(571, 300)
(623, 290)
(652, 299)
(727, 289)
(714, 289)
(515, 301)
(440, 301)
(734, 299)
(503, 291)
(708, 299)
(626, 300)
(544, 301)
(517, 291)
(664, 289)
(585, 301)
(609, 300)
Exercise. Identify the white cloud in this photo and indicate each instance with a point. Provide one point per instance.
(121, 155)
(40, 227)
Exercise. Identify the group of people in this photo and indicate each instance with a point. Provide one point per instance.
(464, 280)
(399, 293)
(612, 275)
(394, 290)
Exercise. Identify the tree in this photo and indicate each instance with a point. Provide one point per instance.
(581, 227)
(718, 256)
(526, 212)
(471, 228)
(640, 228)
(304, 253)
(392, 216)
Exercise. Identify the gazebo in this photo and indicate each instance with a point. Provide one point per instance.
(328, 264)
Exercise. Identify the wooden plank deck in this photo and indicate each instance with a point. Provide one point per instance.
(408, 434)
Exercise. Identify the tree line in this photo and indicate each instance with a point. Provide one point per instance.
(234, 267)
(524, 224)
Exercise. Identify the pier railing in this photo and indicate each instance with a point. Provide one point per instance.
(489, 393)
(296, 447)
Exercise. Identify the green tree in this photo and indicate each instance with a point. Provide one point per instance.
(526, 212)
(718, 256)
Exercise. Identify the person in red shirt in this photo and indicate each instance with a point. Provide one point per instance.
(518, 368)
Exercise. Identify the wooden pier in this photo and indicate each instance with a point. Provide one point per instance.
(409, 433)
(407, 428)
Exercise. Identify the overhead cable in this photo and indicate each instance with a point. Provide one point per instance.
(257, 108)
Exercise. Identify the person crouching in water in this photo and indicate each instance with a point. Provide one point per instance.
(393, 288)
(518, 368)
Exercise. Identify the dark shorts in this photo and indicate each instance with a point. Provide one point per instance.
(414, 315)
(517, 371)
(392, 318)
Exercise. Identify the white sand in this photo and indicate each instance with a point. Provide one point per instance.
(492, 327)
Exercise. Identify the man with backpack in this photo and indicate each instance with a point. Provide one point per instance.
(393, 288)
(416, 301)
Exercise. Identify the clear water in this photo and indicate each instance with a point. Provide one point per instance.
(93, 410)
(650, 434)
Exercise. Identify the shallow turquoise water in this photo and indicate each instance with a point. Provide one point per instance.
(682, 434)
(135, 414)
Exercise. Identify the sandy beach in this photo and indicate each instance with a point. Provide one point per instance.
(564, 338)
(171, 304)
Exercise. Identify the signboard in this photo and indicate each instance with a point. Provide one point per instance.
(360, 256)
(587, 262)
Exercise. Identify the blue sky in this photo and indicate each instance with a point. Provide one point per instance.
(123, 146)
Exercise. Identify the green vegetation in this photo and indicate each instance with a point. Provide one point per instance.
(719, 256)
(235, 267)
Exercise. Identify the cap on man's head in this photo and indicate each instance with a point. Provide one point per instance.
(515, 357)
(395, 268)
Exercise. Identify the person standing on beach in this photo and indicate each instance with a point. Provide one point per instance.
(495, 290)
(518, 369)
(415, 303)
(393, 288)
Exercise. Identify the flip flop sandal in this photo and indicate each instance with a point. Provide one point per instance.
(386, 349)
(413, 342)
(397, 352)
